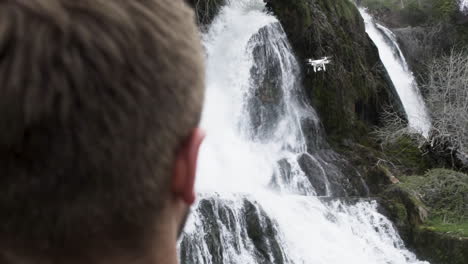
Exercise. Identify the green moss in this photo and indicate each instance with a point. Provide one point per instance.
(407, 156)
(438, 239)
(456, 229)
(375, 4)
(445, 193)
(438, 247)
(416, 12)
(306, 13)
(412, 182)
(444, 9)
(462, 34)
(399, 212)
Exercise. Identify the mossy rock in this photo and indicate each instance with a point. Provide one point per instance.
(440, 248)
(366, 159)
(445, 192)
(407, 156)
(405, 208)
(457, 229)
(383, 165)
(431, 211)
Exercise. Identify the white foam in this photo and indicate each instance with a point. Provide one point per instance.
(464, 6)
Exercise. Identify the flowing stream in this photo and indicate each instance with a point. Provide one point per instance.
(401, 75)
(268, 191)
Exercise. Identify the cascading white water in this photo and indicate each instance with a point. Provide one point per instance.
(230, 162)
(401, 75)
(258, 202)
(464, 6)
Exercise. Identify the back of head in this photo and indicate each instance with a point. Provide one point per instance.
(95, 98)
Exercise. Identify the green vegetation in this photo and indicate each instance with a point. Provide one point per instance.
(375, 4)
(440, 248)
(445, 193)
(430, 211)
(405, 154)
(457, 229)
(416, 12)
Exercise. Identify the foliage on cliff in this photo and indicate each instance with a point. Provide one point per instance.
(445, 192)
(431, 212)
(400, 13)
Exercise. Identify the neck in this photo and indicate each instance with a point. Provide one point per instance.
(164, 247)
(161, 250)
(164, 253)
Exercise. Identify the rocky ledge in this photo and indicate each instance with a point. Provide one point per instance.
(431, 212)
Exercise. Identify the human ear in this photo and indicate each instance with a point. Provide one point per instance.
(185, 167)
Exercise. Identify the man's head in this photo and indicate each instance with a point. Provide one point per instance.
(99, 104)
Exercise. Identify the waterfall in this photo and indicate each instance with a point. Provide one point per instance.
(268, 191)
(464, 6)
(402, 77)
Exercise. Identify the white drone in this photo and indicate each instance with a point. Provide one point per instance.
(319, 65)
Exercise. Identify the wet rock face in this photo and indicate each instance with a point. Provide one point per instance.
(212, 235)
(327, 167)
(266, 104)
(350, 95)
(315, 173)
(314, 134)
(226, 229)
(262, 232)
(283, 175)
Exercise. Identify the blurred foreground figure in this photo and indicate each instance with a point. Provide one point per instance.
(99, 106)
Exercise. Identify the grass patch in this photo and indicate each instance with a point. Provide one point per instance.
(445, 193)
(438, 225)
(405, 154)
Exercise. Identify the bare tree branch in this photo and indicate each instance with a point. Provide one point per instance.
(447, 98)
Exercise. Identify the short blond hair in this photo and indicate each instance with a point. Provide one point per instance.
(96, 96)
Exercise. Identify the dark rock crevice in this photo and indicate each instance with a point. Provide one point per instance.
(206, 11)
(222, 226)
